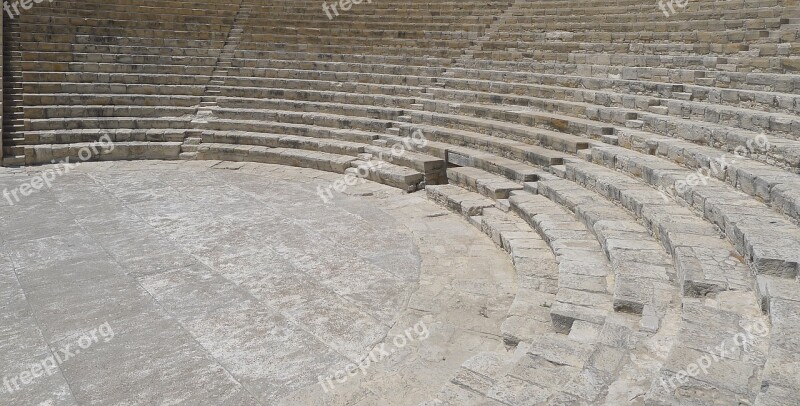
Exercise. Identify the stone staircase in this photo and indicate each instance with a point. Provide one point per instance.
(13, 113)
(209, 100)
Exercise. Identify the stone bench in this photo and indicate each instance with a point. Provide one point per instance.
(131, 150)
(752, 226)
(771, 184)
(252, 108)
(519, 151)
(703, 269)
(126, 78)
(298, 117)
(288, 128)
(476, 180)
(777, 82)
(779, 123)
(107, 123)
(254, 67)
(350, 93)
(643, 271)
(468, 157)
(583, 291)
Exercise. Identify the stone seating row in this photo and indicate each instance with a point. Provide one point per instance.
(194, 6)
(515, 236)
(48, 78)
(785, 33)
(48, 40)
(686, 94)
(517, 387)
(297, 89)
(113, 67)
(763, 81)
(691, 62)
(675, 171)
(734, 290)
(567, 7)
(89, 88)
(783, 196)
(670, 48)
(751, 17)
(758, 257)
(634, 89)
(417, 30)
(92, 21)
(352, 39)
(777, 147)
(320, 101)
(123, 59)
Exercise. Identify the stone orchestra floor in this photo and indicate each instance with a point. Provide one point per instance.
(208, 282)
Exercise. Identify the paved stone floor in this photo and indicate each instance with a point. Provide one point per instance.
(144, 283)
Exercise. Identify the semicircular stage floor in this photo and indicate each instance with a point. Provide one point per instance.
(236, 284)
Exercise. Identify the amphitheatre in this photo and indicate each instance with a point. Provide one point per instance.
(400, 202)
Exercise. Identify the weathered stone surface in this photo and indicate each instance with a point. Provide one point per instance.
(256, 314)
(638, 164)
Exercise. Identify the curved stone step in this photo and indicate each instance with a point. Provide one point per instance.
(81, 123)
(468, 157)
(75, 153)
(300, 129)
(492, 186)
(550, 139)
(256, 117)
(504, 82)
(750, 225)
(459, 200)
(520, 151)
(537, 273)
(254, 95)
(432, 168)
(554, 369)
(771, 184)
(642, 272)
(585, 278)
(253, 109)
(718, 356)
(679, 226)
(780, 378)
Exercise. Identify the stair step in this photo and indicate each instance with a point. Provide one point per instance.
(476, 180)
(457, 199)
(14, 160)
(634, 124)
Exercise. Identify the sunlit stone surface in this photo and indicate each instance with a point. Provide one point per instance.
(235, 284)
